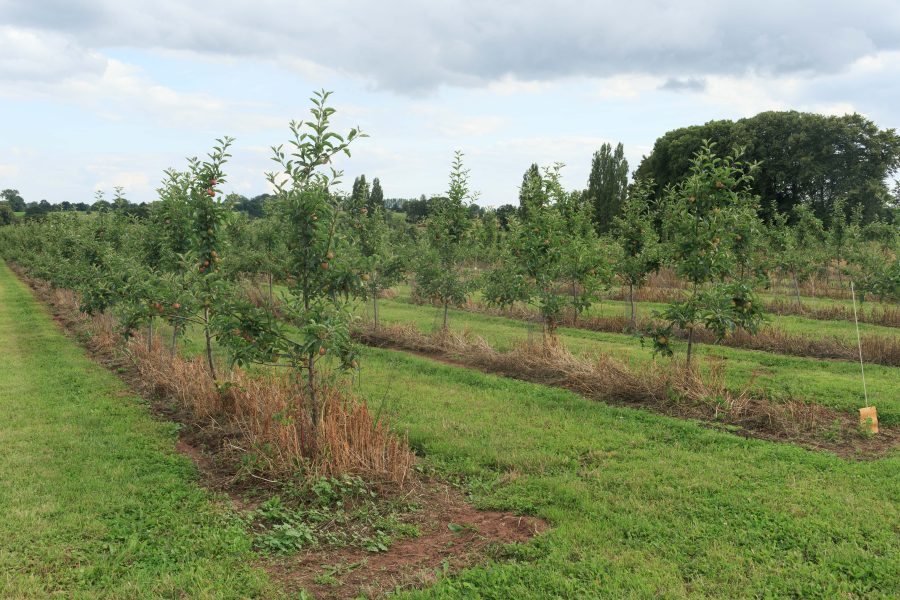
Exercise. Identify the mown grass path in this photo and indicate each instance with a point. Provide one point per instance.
(641, 505)
(95, 502)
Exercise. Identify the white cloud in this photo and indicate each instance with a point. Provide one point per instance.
(474, 126)
(626, 86)
(30, 56)
(132, 181)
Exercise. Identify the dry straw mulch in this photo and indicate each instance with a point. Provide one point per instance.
(243, 415)
(877, 349)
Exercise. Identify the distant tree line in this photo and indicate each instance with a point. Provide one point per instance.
(821, 162)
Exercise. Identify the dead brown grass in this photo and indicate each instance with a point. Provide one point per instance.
(649, 294)
(258, 416)
(877, 349)
(669, 388)
(886, 316)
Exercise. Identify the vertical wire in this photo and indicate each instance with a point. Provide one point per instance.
(859, 345)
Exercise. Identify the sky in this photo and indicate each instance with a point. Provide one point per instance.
(104, 93)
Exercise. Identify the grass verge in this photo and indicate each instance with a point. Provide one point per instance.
(95, 501)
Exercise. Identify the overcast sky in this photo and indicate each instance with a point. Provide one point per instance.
(100, 93)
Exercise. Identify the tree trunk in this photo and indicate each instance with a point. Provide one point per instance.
(150, 335)
(209, 352)
(574, 303)
(174, 340)
(375, 308)
(690, 347)
(446, 310)
(633, 309)
(549, 332)
(311, 389)
(797, 289)
(271, 291)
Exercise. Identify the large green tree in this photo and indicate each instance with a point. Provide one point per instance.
(804, 157)
(607, 185)
(361, 191)
(7, 216)
(15, 200)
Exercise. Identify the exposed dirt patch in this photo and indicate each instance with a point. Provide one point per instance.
(453, 535)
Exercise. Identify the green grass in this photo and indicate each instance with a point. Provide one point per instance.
(829, 382)
(95, 501)
(641, 505)
(843, 330)
(817, 302)
(832, 383)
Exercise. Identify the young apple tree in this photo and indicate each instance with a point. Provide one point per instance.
(319, 262)
(587, 260)
(535, 254)
(208, 214)
(635, 231)
(706, 210)
(439, 273)
(378, 261)
(796, 248)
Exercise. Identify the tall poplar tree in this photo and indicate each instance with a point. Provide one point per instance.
(376, 197)
(531, 181)
(607, 185)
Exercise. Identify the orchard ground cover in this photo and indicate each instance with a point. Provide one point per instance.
(633, 508)
(816, 328)
(628, 494)
(303, 529)
(96, 502)
(833, 383)
(828, 382)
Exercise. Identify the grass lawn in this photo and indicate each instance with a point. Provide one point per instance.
(641, 505)
(95, 501)
(828, 382)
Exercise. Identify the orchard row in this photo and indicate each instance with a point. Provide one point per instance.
(185, 262)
